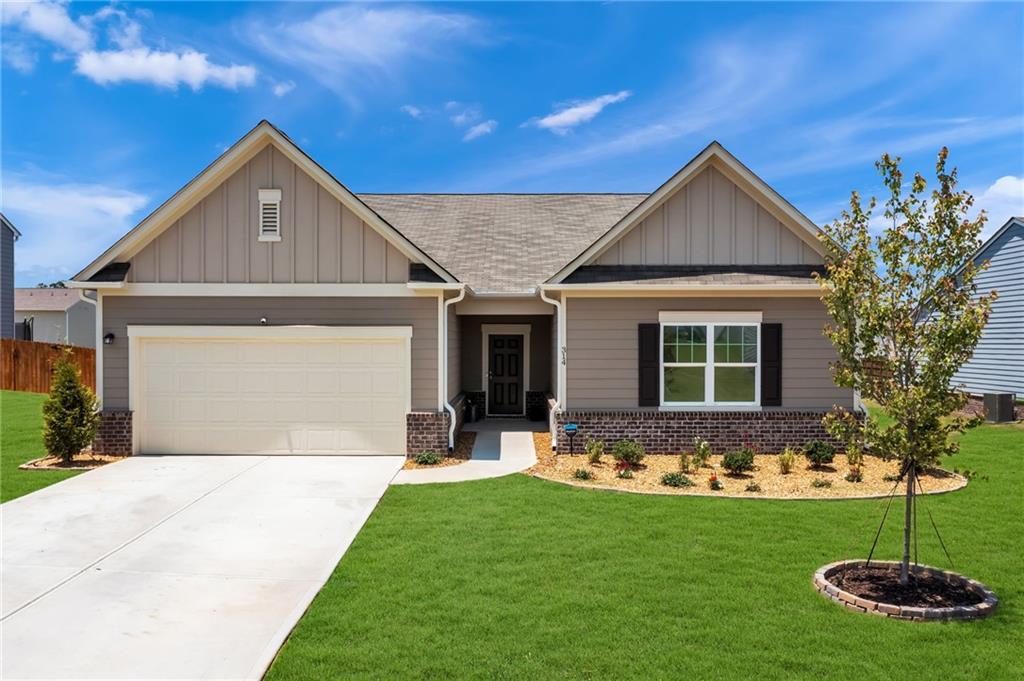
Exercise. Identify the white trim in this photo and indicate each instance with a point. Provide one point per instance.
(240, 153)
(673, 316)
(448, 405)
(714, 154)
(270, 290)
(269, 237)
(492, 306)
(100, 346)
(559, 390)
(486, 331)
(93, 285)
(442, 347)
(709, 320)
(263, 332)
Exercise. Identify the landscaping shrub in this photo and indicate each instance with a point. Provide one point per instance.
(890, 477)
(582, 474)
(714, 483)
(625, 473)
(787, 459)
(686, 464)
(429, 458)
(594, 449)
(854, 475)
(701, 453)
(676, 480)
(70, 414)
(628, 453)
(753, 487)
(821, 482)
(819, 453)
(739, 461)
(854, 457)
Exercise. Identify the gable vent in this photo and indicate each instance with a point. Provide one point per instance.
(270, 215)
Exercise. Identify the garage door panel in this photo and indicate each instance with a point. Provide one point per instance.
(272, 396)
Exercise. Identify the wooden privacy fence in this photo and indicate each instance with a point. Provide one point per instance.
(28, 365)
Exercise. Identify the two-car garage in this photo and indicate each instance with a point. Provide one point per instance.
(269, 390)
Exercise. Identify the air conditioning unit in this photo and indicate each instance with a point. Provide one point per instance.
(999, 407)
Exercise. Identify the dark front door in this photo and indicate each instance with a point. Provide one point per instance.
(505, 375)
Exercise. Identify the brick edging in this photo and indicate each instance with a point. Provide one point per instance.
(824, 586)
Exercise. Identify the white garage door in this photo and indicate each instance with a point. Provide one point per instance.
(271, 395)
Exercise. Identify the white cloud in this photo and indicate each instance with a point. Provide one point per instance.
(1001, 200)
(283, 88)
(47, 20)
(18, 56)
(346, 47)
(413, 111)
(163, 69)
(578, 112)
(64, 224)
(463, 116)
(481, 129)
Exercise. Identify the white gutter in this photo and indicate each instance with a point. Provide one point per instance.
(98, 334)
(560, 364)
(444, 361)
(93, 285)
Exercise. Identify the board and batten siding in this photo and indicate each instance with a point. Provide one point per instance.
(419, 313)
(709, 221)
(322, 241)
(998, 361)
(602, 348)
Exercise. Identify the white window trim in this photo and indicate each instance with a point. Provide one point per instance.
(269, 197)
(486, 331)
(709, 320)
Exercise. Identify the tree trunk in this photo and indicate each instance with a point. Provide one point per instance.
(907, 525)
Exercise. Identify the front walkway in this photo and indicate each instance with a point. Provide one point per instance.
(503, 446)
(180, 567)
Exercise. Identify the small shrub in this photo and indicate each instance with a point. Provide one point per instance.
(739, 461)
(629, 453)
(971, 474)
(70, 414)
(821, 482)
(625, 473)
(854, 475)
(701, 453)
(787, 459)
(753, 487)
(429, 458)
(582, 474)
(714, 483)
(676, 480)
(891, 477)
(595, 450)
(854, 457)
(685, 463)
(819, 453)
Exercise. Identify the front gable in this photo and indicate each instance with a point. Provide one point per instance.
(714, 211)
(209, 231)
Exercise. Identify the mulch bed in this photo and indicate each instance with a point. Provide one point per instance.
(798, 484)
(463, 450)
(881, 583)
(84, 461)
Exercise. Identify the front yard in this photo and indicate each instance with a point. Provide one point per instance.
(21, 424)
(519, 578)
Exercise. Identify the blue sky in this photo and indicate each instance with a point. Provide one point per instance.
(107, 109)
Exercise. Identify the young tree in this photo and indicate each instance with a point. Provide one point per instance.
(70, 413)
(905, 318)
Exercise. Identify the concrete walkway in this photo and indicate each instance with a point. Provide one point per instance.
(186, 567)
(503, 446)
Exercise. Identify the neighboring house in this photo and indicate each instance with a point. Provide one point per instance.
(55, 315)
(265, 308)
(998, 361)
(8, 235)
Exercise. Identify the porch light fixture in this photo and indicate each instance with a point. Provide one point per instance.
(108, 339)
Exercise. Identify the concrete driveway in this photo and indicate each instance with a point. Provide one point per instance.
(186, 567)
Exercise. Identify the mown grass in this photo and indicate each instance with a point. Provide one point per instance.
(518, 578)
(21, 439)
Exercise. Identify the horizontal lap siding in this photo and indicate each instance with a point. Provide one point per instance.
(602, 348)
(420, 313)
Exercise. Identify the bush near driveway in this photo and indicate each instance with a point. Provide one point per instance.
(519, 578)
(21, 440)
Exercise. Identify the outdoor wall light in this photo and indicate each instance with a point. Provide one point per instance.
(108, 339)
(263, 321)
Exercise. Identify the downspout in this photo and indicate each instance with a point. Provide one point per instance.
(560, 364)
(444, 361)
(98, 334)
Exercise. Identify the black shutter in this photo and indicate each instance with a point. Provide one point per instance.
(771, 365)
(649, 337)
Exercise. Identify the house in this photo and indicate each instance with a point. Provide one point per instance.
(55, 315)
(8, 235)
(998, 361)
(265, 308)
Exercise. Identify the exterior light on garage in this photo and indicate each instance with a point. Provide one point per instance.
(263, 321)
(108, 339)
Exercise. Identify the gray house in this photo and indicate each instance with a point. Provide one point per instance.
(8, 235)
(55, 315)
(266, 308)
(998, 361)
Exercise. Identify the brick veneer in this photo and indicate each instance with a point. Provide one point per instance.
(114, 436)
(673, 431)
(428, 430)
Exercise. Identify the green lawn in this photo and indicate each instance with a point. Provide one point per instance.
(21, 427)
(518, 578)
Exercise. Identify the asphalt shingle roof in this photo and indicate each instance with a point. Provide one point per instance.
(502, 242)
(44, 299)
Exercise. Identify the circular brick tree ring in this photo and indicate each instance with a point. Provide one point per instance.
(824, 582)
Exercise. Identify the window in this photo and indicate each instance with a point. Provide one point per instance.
(270, 215)
(710, 362)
